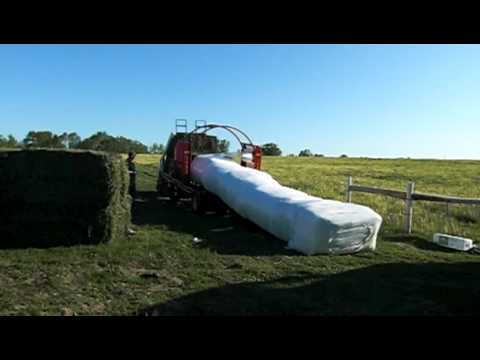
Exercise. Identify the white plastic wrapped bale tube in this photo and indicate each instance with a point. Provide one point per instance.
(309, 224)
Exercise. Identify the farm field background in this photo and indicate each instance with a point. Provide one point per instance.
(237, 269)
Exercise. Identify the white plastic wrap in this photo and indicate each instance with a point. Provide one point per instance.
(309, 224)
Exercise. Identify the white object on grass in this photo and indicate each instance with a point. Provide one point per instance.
(197, 240)
(309, 224)
(453, 242)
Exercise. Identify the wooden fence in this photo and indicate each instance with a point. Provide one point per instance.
(409, 196)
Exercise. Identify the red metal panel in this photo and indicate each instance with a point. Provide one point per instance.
(183, 157)
(257, 157)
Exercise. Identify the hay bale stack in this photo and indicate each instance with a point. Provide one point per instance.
(62, 197)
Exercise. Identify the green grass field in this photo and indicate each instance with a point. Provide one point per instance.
(238, 269)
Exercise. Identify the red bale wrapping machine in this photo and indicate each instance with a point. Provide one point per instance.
(174, 177)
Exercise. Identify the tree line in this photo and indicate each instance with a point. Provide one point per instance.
(272, 149)
(101, 141)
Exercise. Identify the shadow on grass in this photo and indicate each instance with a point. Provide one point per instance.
(224, 234)
(419, 242)
(388, 289)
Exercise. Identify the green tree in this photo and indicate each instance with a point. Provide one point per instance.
(73, 140)
(56, 142)
(8, 142)
(70, 140)
(271, 149)
(223, 146)
(64, 139)
(101, 141)
(12, 142)
(305, 152)
(43, 139)
(3, 141)
(94, 142)
(156, 148)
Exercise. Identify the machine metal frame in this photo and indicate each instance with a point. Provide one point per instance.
(174, 178)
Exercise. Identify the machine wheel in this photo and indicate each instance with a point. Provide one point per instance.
(197, 203)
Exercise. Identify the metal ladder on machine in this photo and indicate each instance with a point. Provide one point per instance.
(199, 123)
(183, 124)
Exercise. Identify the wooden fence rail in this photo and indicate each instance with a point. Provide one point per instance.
(409, 196)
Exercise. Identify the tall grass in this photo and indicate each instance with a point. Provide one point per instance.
(327, 177)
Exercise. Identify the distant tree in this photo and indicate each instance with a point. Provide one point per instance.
(64, 139)
(94, 142)
(12, 142)
(223, 146)
(343, 156)
(8, 142)
(271, 149)
(43, 139)
(3, 141)
(56, 142)
(318, 155)
(70, 140)
(305, 152)
(291, 155)
(124, 145)
(32, 139)
(157, 148)
(101, 141)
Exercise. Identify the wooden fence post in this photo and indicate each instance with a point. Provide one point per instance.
(409, 207)
(349, 192)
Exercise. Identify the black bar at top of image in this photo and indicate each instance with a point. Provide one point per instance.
(173, 27)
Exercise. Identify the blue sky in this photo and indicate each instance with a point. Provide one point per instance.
(421, 101)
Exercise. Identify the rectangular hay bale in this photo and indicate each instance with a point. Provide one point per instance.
(62, 197)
